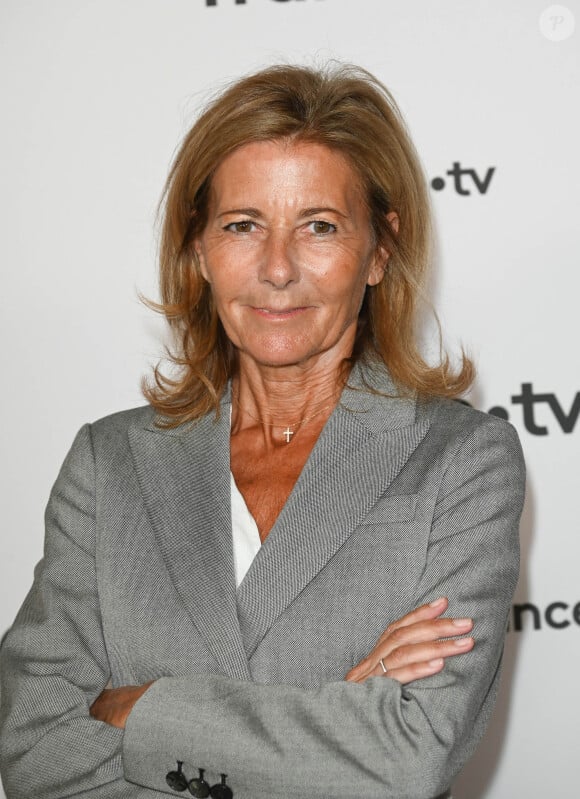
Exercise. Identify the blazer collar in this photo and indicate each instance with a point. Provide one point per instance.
(184, 478)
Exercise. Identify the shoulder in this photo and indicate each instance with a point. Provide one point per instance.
(108, 434)
(100, 447)
(474, 442)
(454, 428)
(456, 419)
(120, 422)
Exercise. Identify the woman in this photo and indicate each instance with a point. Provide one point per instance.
(304, 452)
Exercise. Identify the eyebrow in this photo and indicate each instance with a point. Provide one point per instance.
(254, 213)
(322, 210)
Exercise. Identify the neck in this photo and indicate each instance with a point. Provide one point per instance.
(282, 401)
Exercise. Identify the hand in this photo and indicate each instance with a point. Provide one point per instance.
(416, 645)
(113, 705)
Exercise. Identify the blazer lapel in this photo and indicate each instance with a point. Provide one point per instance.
(184, 478)
(363, 447)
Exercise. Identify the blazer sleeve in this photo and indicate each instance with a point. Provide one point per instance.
(54, 663)
(377, 739)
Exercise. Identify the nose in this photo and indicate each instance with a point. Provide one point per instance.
(279, 266)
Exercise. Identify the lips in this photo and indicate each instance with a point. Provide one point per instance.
(280, 313)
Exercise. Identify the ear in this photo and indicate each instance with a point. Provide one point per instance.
(393, 220)
(378, 267)
(199, 251)
(382, 255)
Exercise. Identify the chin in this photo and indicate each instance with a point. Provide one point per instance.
(273, 361)
(278, 353)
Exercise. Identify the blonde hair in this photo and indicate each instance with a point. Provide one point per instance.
(349, 110)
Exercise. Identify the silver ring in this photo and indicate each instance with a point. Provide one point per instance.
(383, 667)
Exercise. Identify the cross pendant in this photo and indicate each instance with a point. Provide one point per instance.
(288, 434)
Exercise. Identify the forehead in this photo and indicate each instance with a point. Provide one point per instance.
(297, 167)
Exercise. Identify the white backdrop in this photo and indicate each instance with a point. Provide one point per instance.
(96, 95)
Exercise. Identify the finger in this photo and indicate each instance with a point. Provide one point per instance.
(411, 635)
(421, 631)
(413, 671)
(423, 613)
(412, 645)
(414, 662)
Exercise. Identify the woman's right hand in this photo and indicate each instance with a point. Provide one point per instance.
(415, 646)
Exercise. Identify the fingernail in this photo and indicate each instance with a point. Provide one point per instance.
(463, 624)
(462, 643)
(436, 664)
(437, 602)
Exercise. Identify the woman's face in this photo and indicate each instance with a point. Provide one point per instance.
(288, 250)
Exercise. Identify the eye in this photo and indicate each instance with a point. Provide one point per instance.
(244, 226)
(322, 228)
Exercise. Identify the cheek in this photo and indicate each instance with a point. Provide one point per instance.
(343, 299)
(229, 267)
(349, 283)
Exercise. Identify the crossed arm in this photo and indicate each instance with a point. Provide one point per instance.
(411, 648)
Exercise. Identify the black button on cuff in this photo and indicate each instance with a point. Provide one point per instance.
(221, 790)
(176, 779)
(198, 787)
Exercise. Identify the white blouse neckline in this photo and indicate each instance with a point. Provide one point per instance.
(246, 537)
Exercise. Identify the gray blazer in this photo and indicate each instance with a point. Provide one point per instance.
(399, 503)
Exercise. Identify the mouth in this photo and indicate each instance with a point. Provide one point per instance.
(280, 313)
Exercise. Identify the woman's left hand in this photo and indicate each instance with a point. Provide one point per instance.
(113, 705)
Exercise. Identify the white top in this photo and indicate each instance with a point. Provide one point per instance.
(245, 533)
